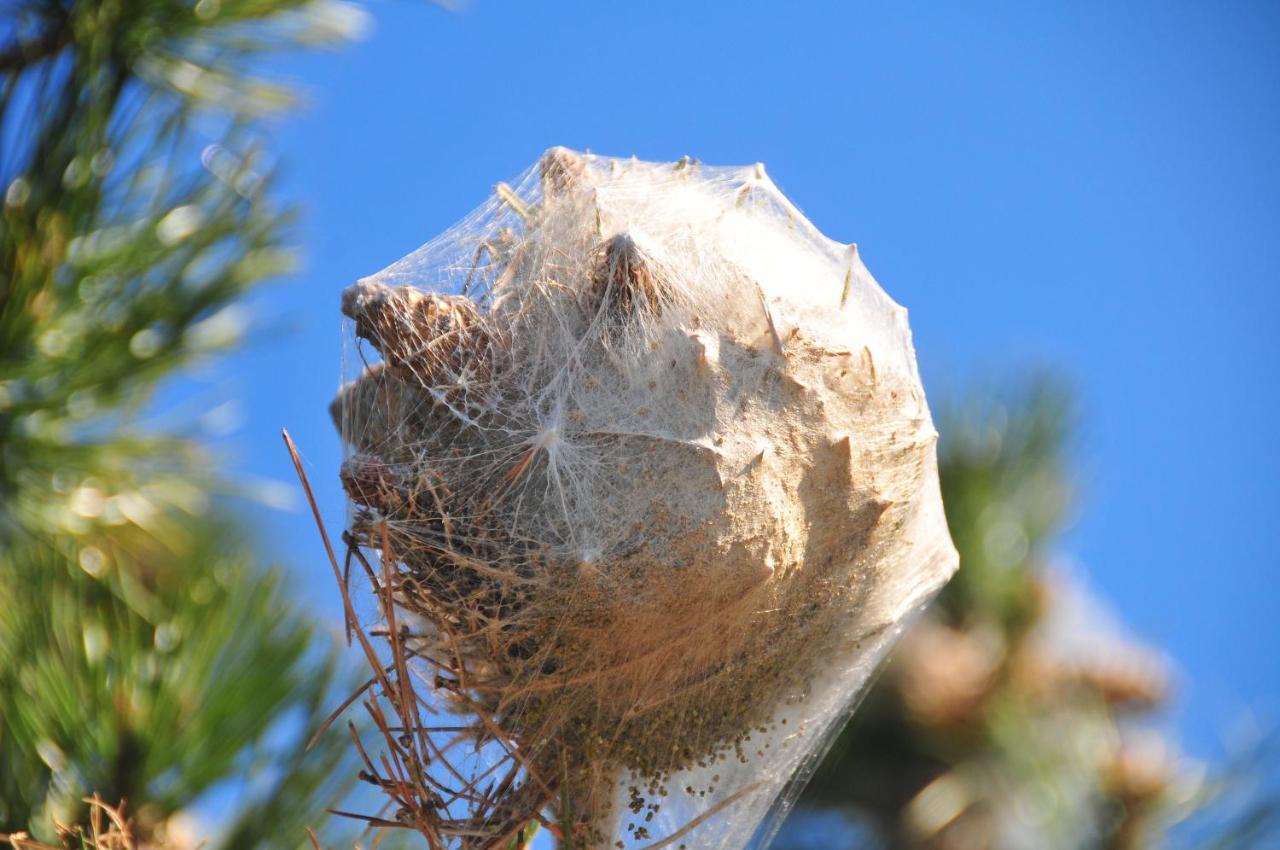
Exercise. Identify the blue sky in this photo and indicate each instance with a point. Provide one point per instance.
(1093, 188)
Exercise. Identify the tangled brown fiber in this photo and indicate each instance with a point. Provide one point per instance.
(644, 484)
(107, 829)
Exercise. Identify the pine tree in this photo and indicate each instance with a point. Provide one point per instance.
(144, 655)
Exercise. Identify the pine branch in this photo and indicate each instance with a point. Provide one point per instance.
(143, 655)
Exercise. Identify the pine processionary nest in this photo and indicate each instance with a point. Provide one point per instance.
(645, 476)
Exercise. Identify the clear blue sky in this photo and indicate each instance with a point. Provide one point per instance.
(1094, 187)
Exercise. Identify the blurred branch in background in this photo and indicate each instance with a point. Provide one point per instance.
(144, 656)
(1015, 712)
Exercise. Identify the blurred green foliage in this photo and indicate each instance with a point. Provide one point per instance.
(143, 653)
(178, 668)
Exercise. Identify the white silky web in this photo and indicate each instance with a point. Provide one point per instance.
(650, 467)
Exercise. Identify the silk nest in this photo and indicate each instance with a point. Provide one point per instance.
(643, 463)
